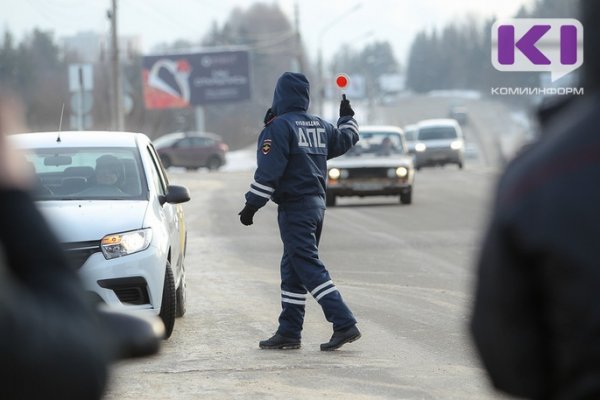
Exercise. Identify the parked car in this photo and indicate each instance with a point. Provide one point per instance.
(439, 142)
(108, 199)
(379, 165)
(191, 150)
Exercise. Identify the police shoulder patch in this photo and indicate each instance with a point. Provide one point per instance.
(266, 146)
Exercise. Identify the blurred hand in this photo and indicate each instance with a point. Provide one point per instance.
(345, 108)
(247, 214)
(131, 335)
(268, 116)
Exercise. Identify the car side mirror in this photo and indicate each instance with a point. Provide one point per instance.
(175, 195)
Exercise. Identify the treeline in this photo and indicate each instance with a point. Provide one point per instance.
(269, 35)
(458, 56)
(454, 57)
(36, 69)
(274, 47)
(373, 61)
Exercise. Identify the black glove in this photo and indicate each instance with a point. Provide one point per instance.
(345, 108)
(247, 214)
(268, 116)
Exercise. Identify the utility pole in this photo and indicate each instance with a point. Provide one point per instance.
(117, 107)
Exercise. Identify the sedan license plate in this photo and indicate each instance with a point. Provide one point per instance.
(367, 186)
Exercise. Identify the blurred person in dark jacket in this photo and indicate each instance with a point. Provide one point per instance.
(536, 317)
(53, 342)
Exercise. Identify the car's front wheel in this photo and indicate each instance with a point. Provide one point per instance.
(406, 197)
(330, 200)
(169, 302)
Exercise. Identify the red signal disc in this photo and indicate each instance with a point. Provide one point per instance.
(342, 81)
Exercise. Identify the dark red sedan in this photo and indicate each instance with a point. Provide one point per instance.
(191, 150)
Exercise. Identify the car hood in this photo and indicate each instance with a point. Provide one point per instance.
(79, 221)
(439, 143)
(370, 162)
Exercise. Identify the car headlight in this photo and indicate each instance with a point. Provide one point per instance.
(334, 173)
(401, 172)
(125, 243)
(420, 147)
(456, 145)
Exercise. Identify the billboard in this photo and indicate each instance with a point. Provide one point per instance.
(196, 79)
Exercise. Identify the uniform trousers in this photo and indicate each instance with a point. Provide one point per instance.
(302, 272)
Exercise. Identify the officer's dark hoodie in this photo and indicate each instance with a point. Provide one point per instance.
(293, 148)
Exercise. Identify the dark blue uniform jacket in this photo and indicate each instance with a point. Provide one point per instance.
(293, 149)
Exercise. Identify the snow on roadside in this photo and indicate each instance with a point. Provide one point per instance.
(241, 160)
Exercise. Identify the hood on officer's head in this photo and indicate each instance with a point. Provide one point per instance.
(291, 93)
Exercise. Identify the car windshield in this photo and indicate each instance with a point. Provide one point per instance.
(437, 132)
(87, 174)
(378, 144)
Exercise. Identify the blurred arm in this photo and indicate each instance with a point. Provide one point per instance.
(51, 341)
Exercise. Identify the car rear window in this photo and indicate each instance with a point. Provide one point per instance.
(438, 132)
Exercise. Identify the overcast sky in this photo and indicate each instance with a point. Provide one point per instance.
(159, 21)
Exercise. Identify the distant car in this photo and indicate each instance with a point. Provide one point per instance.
(379, 165)
(191, 150)
(439, 142)
(109, 201)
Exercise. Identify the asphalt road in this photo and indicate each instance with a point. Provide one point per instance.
(405, 271)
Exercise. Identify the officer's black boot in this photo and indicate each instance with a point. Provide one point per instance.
(340, 338)
(279, 342)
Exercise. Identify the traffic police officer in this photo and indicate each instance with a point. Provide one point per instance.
(292, 155)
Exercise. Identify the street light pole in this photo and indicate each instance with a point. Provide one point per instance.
(321, 86)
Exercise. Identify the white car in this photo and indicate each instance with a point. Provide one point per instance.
(378, 165)
(439, 142)
(108, 199)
